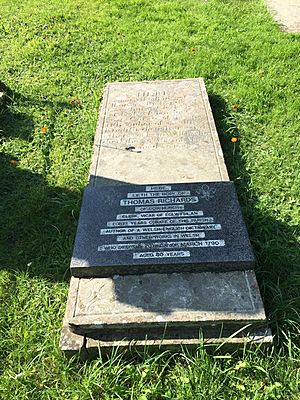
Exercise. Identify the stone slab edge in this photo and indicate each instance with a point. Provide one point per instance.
(261, 337)
(71, 343)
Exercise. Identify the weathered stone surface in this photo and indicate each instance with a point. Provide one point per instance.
(132, 229)
(172, 300)
(156, 132)
(221, 310)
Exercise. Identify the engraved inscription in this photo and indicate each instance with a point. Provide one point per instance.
(171, 200)
(161, 254)
(170, 221)
(161, 230)
(157, 229)
(158, 194)
(156, 188)
(163, 236)
(159, 208)
(207, 234)
(163, 245)
(154, 116)
(167, 214)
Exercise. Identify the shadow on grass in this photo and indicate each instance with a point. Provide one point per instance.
(38, 221)
(17, 124)
(274, 242)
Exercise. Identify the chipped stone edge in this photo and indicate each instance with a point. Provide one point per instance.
(148, 320)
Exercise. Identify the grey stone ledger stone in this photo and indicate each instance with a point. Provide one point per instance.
(132, 229)
(222, 311)
(156, 132)
(162, 305)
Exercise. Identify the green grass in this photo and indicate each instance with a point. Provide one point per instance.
(53, 51)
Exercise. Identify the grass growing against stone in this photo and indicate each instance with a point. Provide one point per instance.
(56, 57)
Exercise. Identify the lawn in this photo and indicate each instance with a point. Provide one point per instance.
(56, 57)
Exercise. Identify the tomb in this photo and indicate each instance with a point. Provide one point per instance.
(161, 257)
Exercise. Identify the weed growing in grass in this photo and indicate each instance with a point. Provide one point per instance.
(56, 58)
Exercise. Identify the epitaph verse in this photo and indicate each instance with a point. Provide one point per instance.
(160, 228)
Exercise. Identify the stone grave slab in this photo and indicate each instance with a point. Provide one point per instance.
(143, 154)
(131, 229)
(153, 301)
(217, 309)
(156, 131)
